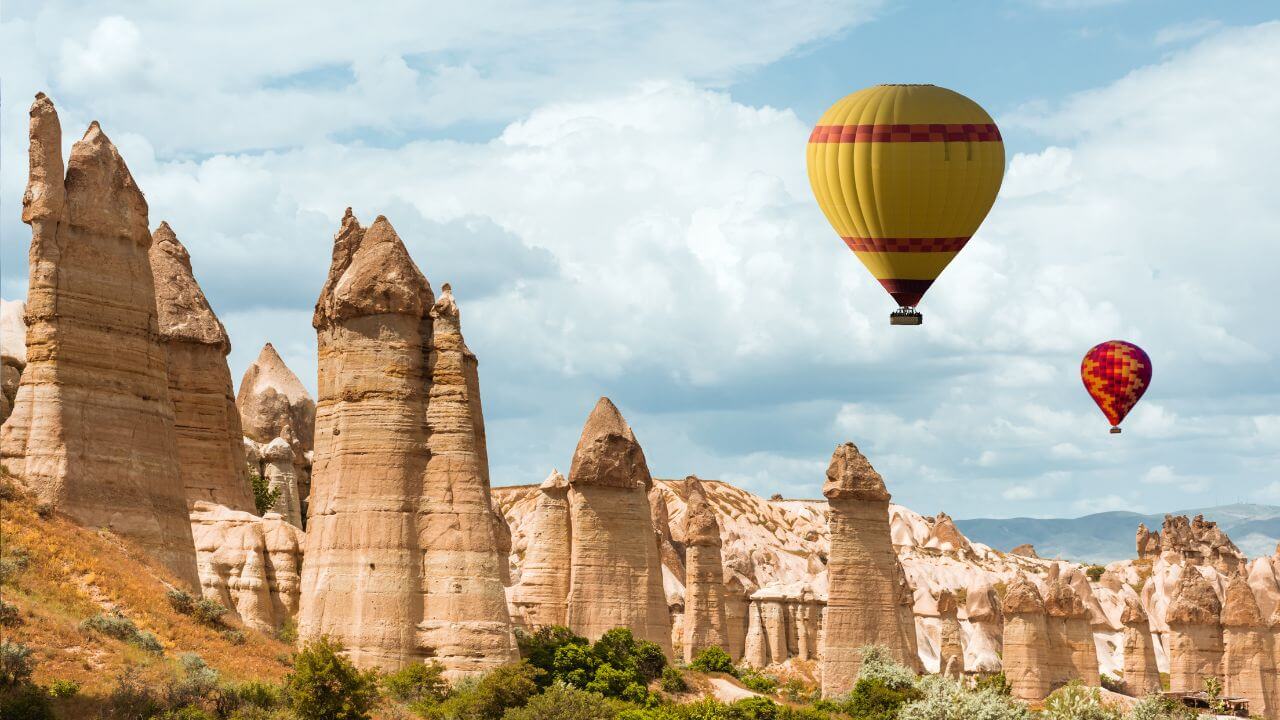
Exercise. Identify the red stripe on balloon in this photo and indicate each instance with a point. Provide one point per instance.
(951, 244)
(934, 132)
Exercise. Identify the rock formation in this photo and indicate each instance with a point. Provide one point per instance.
(984, 619)
(1141, 676)
(1072, 655)
(402, 554)
(1148, 542)
(540, 597)
(465, 618)
(252, 565)
(274, 405)
(1248, 668)
(1025, 550)
(92, 429)
(1199, 542)
(616, 572)
(1027, 653)
(863, 589)
(704, 620)
(210, 448)
(13, 353)
(950, 650)
(1194, 640)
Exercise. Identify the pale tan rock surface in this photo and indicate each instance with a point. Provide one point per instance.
(539, 596)
(951, 649)
(704, 617)
(402, 552)
(863, 589)
(465, 616)
(616, 569)
(249, 564)
(92, 429)
(1141, 675)
(1025, 550)
(1028, 655)
(1194, 640)
(1072, 654)
(13, 353)
(210, 445)
(275, 463)
(1248, 666)
(273, 405)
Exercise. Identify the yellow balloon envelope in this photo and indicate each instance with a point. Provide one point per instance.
(905, 174)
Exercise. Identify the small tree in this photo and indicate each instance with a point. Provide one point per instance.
(714, 659)
(264, 496)
(16, 664)
(326, 686)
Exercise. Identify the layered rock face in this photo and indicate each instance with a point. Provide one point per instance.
(1198, 542)
(275, 410)
(863, 591)
(950, 652)
(210, 448)
(704, 620)
(92, 429)
(615, 565)
(252, 565)
(1248, 665)
(1072, 655)
(402, 552)
(1194, 640)
(1141, 676)
(13, 353)
(539, 598)
(465, 617)
(1028, 655)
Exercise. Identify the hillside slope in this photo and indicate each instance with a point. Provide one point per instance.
(59, 574)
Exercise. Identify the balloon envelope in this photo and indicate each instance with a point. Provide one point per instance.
(1116, 374)
(905, 174)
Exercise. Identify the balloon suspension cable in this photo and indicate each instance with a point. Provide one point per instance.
(1115, 429)
(905, 315)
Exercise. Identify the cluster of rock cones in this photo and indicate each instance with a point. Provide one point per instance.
(386, 534)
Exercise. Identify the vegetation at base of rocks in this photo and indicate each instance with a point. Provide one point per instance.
(672, 680)
(1077, 702)
(324, 685)
(1158, 707)
(1094, 572)
(116, 625)
(288, 632)
(615, 666)
(416, 683)
(1110, 683)
(264, 497)
(713, 659)
(757, 681)
(997, 683)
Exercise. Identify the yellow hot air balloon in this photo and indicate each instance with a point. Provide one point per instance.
(905, 174)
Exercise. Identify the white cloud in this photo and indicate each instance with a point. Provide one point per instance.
(1182, 32)
(1105, 503)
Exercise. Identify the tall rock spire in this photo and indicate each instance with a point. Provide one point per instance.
(1248, 668)
(544, 577)
(92, 431)
(1027, 651)
(704, 621)
(863, 573)
(210, 448)
(616, 574)
(1194, 640)
(1141, 676)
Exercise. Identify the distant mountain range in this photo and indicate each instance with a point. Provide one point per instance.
(1105, 537)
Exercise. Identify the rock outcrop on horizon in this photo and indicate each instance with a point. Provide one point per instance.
(863, 588)
(210, 444)
(1198, 542)
(401, 551)
(278, 414)
(251, 565)
(1028, 654)
(615, 565)
(1248, 664)
(1140, 672)
(1194, 641)
(704, 622)
(13, 353)
(92, 429)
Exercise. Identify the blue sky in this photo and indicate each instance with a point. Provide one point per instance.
(617, 194)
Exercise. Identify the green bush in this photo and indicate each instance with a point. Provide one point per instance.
(325, 685)
(130, 698)
(1158, 707)
(148, 641)
(1095, 572)
(574, 664)
(563, 702)
(754, 708)
(873, 699)
(758, 681)
(288, 632)
(714, 659)
(499, 690)
(1074, 701)
(9, 615)
(416, 683)
(116, 625)
(997, 683)
(198, 682)
(233, 636)
(878, 664)
(16, 664)
(264, 498)
(540, 646)
(18, 559)
(257, 694)
(186, 712)
(181, 601)
(673, 680)
(25, 702)
(945, 699)
(209, 612)
(63, 688)
(610, 681)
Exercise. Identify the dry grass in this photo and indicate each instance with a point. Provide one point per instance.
(73, 573)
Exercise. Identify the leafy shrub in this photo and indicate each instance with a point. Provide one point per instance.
(714, 659)
(673, 680)
(209, 612)
(997, 683)
(945, 699)
(18, 559)
(563, 702)
(1158, 707)
(118, 626)
(198, 682)
(574, 664)
(873, 699)
(326, 686)
(288, 632)
(540, 646)
(610, 681)
(758, 681)
(130, 698)
(25, 702)
(499, 690)
(620, 649)
(16, 664)
(181, 601)
(63, 688)
(1112, 684)
(9, 615)
(44, 510)
(1074, 701)
(878, 664)
(419, 682)
(257, 694)
(264, 497)
(1094, 572)
(233, 636)
(147, 641)
(796, 691)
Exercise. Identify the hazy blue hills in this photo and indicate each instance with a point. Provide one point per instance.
(1108, 536)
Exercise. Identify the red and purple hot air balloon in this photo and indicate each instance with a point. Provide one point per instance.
(1116, 374)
